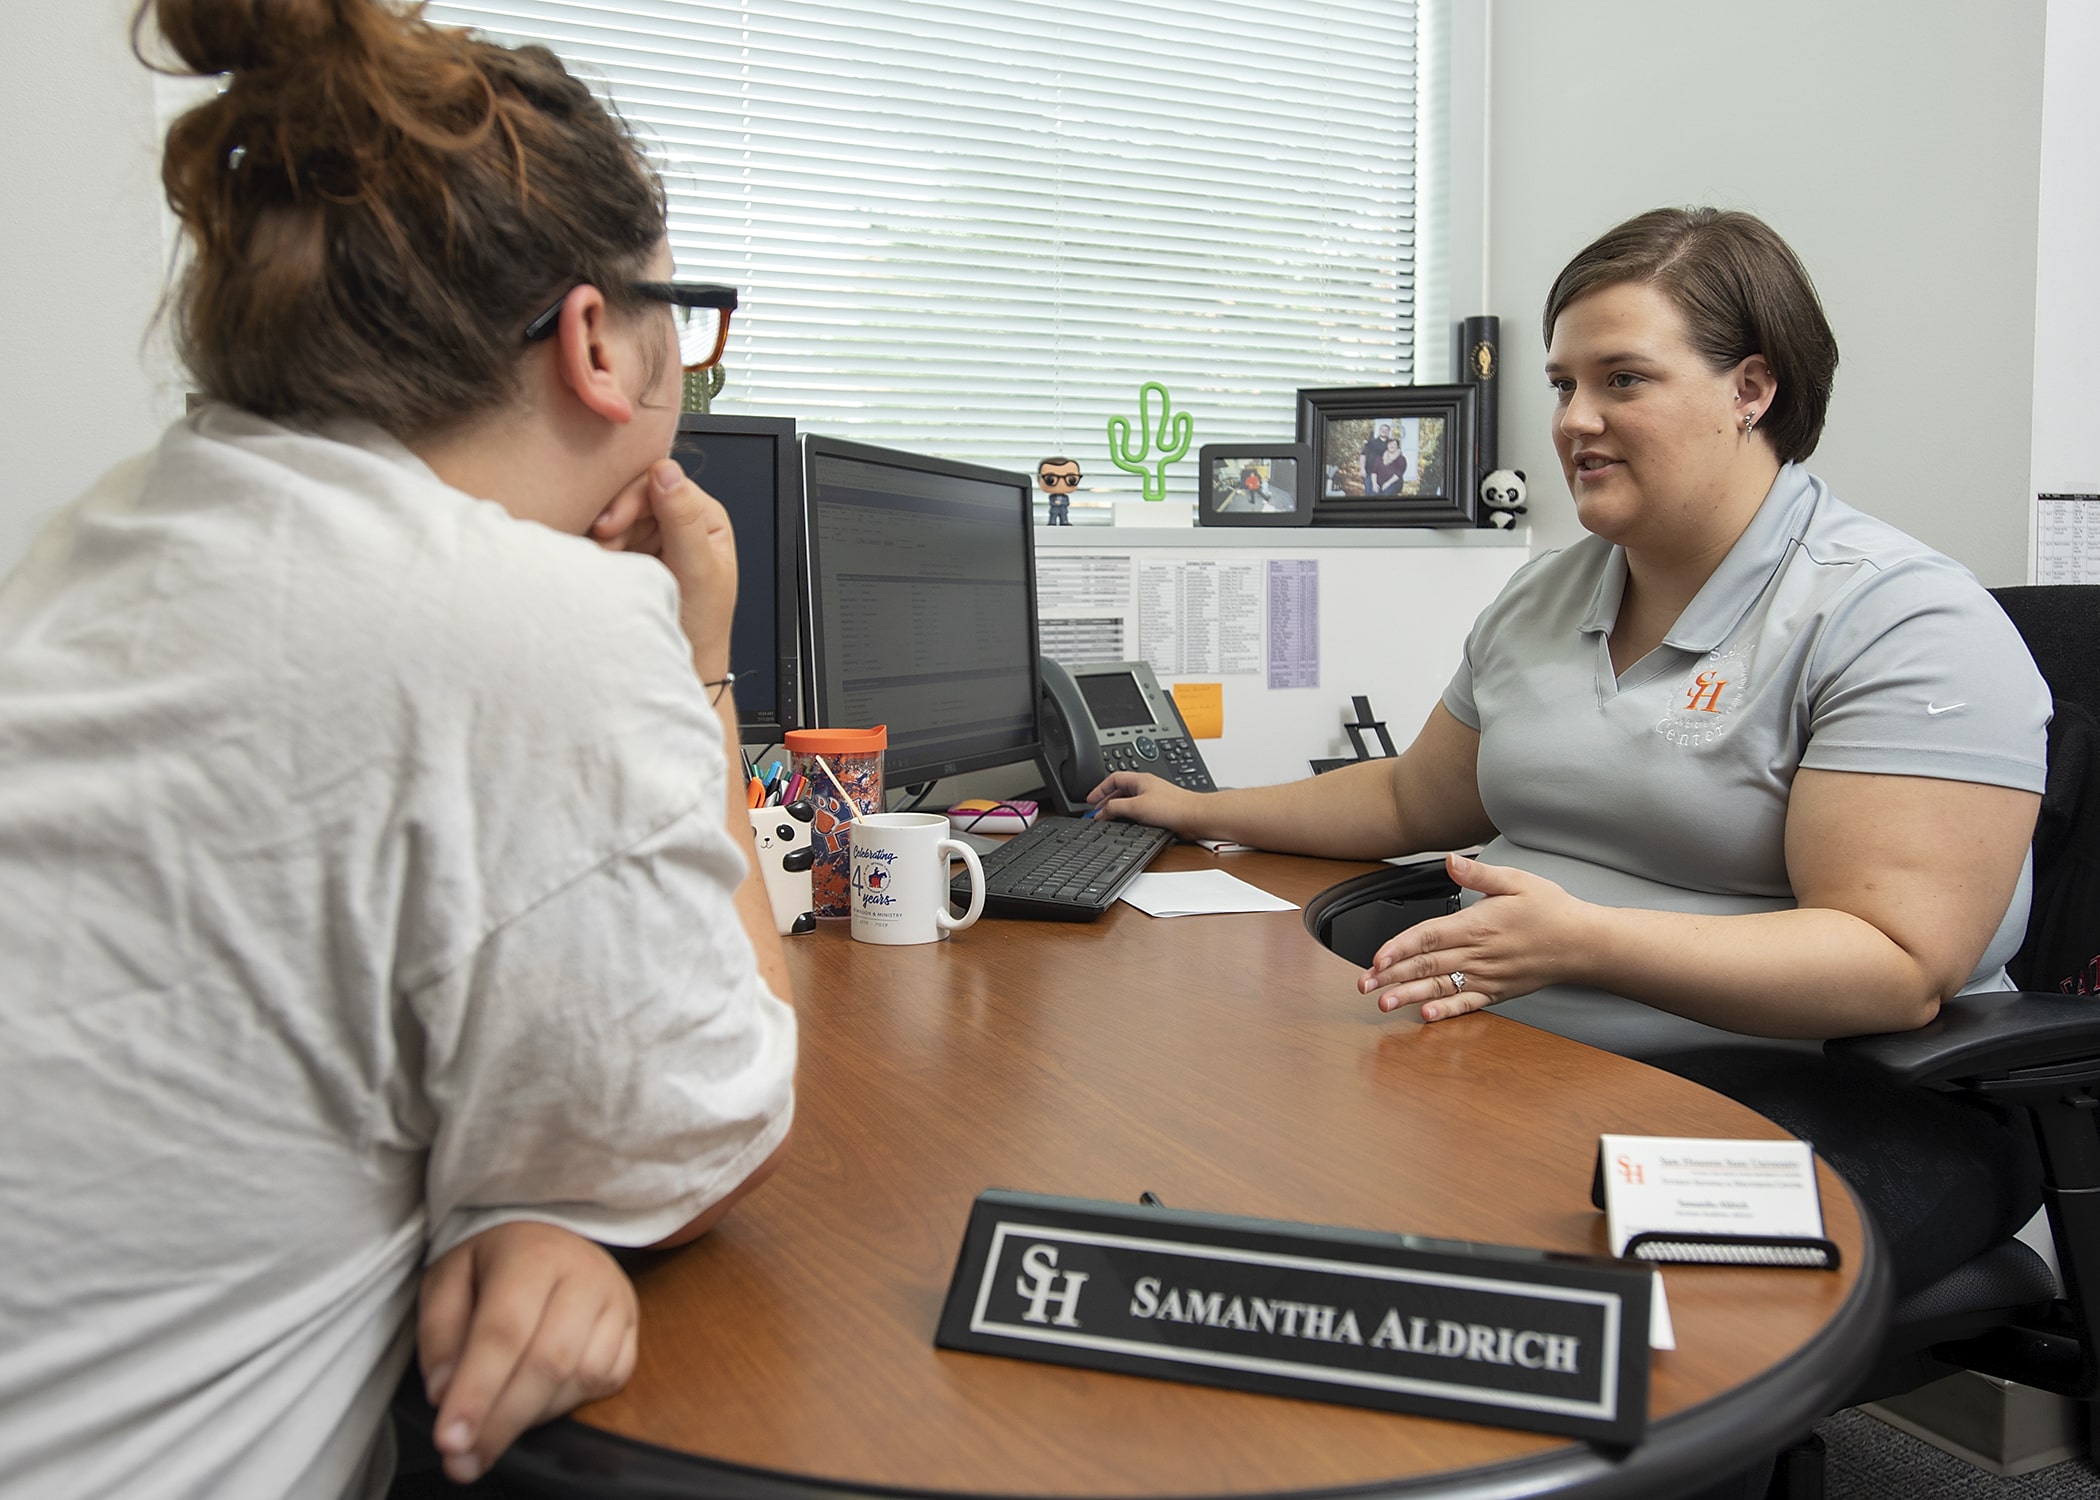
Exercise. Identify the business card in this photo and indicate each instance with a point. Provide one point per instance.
(1755, 1192)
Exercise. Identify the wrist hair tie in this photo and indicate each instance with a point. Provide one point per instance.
(722, 684)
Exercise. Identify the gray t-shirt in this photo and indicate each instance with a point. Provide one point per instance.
(1826, 639)
(364, 884)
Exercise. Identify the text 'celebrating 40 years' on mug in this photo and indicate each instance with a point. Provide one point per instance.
(900, 879)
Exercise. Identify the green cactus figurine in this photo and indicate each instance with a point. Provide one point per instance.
(702, 386)
(1173, 438)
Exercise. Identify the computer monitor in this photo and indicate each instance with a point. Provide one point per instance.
(752, 465)
(922, 606)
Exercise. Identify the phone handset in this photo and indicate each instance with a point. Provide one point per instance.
(1112, 716)
(1071, 753)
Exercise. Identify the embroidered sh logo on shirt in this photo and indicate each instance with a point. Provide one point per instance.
(1936, 709)
(1698, 712)
(1705, 693)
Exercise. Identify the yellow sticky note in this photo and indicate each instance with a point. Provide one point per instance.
(1202, 706)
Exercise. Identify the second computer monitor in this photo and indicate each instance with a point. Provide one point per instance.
(922, 606)
(751, 465)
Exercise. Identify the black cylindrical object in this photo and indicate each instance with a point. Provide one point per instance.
(1480, 361)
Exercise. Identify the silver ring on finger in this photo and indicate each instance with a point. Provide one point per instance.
(1458, 980)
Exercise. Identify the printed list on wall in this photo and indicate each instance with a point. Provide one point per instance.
(1187, 617)
(1200, 619)
(2067, 538)
(1083, 608)
(1294, 622)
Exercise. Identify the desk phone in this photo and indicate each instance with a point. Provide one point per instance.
(1112, 716)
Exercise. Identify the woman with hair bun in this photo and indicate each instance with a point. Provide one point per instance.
(1747, 763)
(377, 908)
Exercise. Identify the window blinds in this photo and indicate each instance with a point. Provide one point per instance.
(975, 229)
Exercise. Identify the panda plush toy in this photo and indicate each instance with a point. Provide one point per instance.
(1502, 493)
(784, 859)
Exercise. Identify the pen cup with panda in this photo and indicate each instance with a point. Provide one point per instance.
(785, 855)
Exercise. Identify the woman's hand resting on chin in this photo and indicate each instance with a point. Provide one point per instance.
(664, 514)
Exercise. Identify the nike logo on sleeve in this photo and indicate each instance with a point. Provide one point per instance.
(1936, 709)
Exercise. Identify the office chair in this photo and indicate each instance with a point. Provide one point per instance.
(2035, 1050)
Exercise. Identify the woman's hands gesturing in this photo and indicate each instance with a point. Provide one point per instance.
(1522, 935)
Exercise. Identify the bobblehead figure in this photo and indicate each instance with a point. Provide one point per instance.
(1058, 478)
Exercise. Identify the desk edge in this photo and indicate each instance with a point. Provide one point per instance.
(1677, 1455)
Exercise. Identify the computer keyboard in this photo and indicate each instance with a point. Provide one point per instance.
(1064, 869)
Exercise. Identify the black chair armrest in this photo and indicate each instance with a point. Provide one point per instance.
(1355, 917)
(1984, 1036)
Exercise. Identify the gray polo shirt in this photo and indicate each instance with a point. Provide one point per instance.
(1825, 639)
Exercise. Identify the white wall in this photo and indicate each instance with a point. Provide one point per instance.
(2067, 292)
(1895, 145)
(81, 258)
(1270, 734)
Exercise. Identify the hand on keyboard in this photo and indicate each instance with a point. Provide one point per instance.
(1068, 869)
(1140, 797)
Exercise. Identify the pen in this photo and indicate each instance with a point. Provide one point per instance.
(755, 796)
(846, 802)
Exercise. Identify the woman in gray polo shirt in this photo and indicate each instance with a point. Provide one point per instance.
(1746, 762)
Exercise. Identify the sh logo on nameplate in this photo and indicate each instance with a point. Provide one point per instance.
(1515, 1338)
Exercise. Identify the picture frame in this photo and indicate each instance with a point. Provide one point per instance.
(1254, 484)
(1392, 455)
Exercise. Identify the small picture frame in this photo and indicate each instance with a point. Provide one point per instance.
(1254, 484)
(1391, 455)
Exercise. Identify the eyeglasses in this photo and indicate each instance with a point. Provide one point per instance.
(700, 310)
(1052, 481)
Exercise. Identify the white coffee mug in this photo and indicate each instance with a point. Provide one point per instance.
(899, 872)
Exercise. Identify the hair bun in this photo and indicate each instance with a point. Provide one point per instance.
(375, 206)
(237, 36)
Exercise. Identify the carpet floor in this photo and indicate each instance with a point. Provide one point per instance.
(1869, 1460)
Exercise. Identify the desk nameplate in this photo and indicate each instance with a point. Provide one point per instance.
(1483, 1333)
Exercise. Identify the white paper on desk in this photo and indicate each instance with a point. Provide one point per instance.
(1194, 893)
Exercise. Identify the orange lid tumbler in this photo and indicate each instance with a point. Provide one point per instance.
(844, 767)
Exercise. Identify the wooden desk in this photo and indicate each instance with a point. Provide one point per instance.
(1224, 1063)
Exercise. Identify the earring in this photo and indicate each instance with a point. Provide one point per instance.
(1749, 422)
